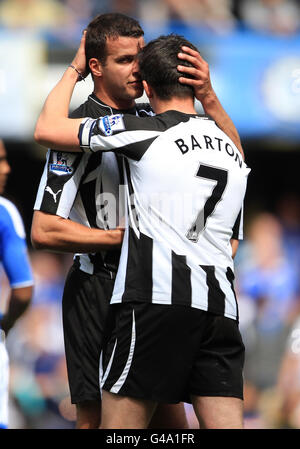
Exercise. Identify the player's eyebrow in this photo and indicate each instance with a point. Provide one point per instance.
(126, 56)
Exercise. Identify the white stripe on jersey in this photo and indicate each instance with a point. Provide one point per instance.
(199, 291)
(70, 189)
(230, 303)
(161, 274)
(120, 140)
(86, 131)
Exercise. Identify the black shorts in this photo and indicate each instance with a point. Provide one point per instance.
(168, 353)
(85, 309)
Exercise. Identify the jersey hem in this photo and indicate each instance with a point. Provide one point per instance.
(118, 300)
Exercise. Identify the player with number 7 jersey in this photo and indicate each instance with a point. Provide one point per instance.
(175, 333)
(186, 183)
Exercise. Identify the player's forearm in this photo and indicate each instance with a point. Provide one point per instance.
(18, 303)
(62, 235)
(215, 110)
(54, 129)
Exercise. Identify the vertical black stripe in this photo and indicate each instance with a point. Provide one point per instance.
(236, 226)
(130, 202)
(87, 192)
(88, 189)
(230, 277)
(127, 169)
(138, 281)
(120, 166)
(131, 268)
(181, 281)
(215, 296)
(146, 262)
(94, 161)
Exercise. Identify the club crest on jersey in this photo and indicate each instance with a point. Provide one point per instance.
(109, 124)
(62, 165)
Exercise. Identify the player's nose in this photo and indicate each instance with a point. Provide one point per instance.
(136, 67)
(6, 168)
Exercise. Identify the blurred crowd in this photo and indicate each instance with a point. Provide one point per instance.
(65, 19)
(268, 288)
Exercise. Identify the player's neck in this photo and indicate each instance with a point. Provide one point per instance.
(113, 102)
(176, 104)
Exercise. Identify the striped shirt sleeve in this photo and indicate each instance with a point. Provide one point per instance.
(126, 134)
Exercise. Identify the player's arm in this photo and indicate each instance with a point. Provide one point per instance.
(53, 128)
(18, 303)
(205, 93)
(234, 245)
(16, 266)
(54, 233)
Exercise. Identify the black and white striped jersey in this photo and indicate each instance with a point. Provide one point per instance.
(186, 183)
(85, 188)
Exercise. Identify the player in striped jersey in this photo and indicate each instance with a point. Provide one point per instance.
(152, 258)
(76, 210)
(15, 261)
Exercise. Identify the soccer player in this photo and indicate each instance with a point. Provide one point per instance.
(192, 57)
(76, 210)
(15, 261)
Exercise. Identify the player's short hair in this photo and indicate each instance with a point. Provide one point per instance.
(158, 66)
(106, 26)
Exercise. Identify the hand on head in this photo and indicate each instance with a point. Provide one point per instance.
(79, 61)
(200, 72)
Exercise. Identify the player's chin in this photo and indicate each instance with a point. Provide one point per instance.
(137, 89)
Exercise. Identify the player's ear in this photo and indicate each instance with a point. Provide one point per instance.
(95, 67)
(148, 89)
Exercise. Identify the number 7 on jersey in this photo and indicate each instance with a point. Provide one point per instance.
(220, 176)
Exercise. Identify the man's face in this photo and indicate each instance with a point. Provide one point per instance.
(120, 76)
(4, 168)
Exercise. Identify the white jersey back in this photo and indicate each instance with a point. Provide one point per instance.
(186, 183)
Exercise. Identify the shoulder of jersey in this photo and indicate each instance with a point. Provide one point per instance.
(91, 108)
(144, 110)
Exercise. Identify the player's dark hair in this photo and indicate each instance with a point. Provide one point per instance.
(105, 26)
(158, 66)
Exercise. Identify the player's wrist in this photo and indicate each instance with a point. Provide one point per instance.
(209, 99)
(117, 236)
(76, 72)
